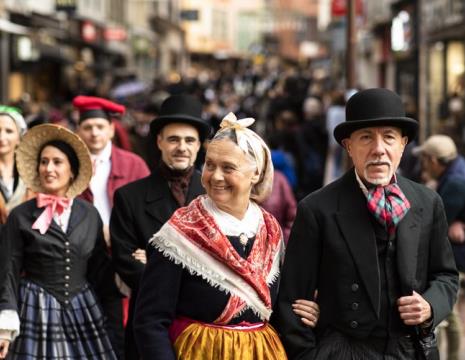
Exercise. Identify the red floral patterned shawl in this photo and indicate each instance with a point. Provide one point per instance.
(192, 238)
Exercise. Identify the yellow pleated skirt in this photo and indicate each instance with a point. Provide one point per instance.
(204, 342)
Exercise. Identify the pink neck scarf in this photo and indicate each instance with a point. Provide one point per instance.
(53, 204)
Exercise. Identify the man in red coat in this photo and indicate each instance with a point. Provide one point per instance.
(113, 168)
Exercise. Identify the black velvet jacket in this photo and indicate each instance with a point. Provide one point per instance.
(60, 263)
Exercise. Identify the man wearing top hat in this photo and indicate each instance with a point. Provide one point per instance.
(372, 244)
(113, 167)
(142, 207)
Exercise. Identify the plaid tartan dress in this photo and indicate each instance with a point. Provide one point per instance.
(51, 330)
(388, 204)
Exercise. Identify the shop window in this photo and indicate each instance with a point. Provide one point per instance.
(455, 68)
(436, 82)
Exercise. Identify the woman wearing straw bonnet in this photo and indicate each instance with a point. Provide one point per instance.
(53, 244)
(208, 289)
(13, 191)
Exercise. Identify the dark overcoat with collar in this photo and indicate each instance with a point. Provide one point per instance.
(140, 209)
(332, 249)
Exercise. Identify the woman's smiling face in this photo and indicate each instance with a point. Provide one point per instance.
(228, 176)
(54, 171)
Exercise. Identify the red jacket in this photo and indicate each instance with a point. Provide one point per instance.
(126, 167)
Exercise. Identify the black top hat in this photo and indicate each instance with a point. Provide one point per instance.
(375, 107)
(181, 109)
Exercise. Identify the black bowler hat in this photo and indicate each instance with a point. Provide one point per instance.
(375, 107)
(181, 109)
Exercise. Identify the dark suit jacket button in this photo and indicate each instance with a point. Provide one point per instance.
(353, 324)
(354, 306)
(354, 287)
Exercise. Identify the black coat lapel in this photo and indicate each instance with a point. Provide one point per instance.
(78, 214)
(408, 238)
(354, 222)
(159, 203)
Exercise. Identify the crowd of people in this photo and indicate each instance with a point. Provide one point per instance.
(169, 228)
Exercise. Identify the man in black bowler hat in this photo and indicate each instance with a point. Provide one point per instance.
(373, 244)
(142, 207)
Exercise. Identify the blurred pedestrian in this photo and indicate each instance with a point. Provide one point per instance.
(441, 163)
(373, 244)
(281, 203)
(314, 139)
(335, 115)
(52, 249)
(139, 133)
(453, 124)
(222, 247)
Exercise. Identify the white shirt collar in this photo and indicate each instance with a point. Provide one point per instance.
(63, 219)
(104, 155)
(363, 186)
(232, 226)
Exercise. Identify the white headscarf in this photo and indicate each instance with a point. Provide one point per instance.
(251, 144)
(16, 116)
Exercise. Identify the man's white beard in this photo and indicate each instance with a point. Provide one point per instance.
(378, 181)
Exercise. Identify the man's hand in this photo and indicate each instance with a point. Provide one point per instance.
(413, 309)
(140, 255)
(308, 310)
(4, 345)
(457, 232)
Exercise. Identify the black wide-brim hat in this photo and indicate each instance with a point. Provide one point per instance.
(181, 109)
(375, 107)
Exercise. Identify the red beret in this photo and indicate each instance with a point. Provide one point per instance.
(92, 106)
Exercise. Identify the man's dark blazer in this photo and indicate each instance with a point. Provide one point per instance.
(140, 209)
(332, 249)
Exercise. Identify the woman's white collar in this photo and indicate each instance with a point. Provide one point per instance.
(232, 226)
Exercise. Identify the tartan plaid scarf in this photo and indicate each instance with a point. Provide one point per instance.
(388, 204)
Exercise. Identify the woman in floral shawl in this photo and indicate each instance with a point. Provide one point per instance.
(210, 284)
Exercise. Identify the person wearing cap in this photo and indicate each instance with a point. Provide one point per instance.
(142, 207)
(113, 168)
(13, 191)
(373, 244)
(53, 256)
(209, 286)
(442, 164)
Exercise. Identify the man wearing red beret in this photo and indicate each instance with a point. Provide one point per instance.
(113, 168)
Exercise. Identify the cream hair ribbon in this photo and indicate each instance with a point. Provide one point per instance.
(248, 140)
